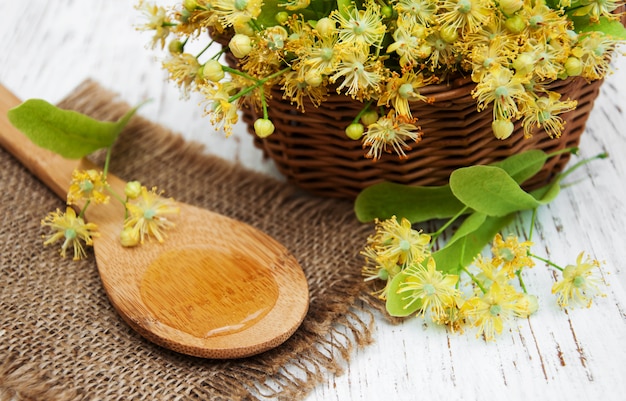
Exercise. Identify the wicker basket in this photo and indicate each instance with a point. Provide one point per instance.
(313, 152)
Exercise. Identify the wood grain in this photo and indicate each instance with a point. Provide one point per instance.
(554, 355)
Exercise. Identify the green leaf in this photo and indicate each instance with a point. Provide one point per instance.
(462, 252)
(472, 223)
(71, 134)
(397, 304)
(416, 203)
(490, 190)
(522, 166)
(610, 27)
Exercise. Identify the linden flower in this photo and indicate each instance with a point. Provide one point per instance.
(492, 310)
(470, 14)
(400, 90)
(183, 69)
(360, 28)
(232, 12)
(543, 112)
(223, 113)
(419, 11)
(379, 269)
(579, 284)
(360, 74)
(148, 216)
(512, 254)
(87, 185)
(72, 230)
(435, 291)
(157, 22)
(399, 243)
(387, 133)
(502, 88)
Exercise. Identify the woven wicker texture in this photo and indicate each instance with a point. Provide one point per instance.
(313, 152)
(60, 339)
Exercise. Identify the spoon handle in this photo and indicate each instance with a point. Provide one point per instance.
(53, 170)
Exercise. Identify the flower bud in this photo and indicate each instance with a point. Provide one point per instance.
(132, 189)
(573, 66)
(282, 17)
(524, 64)
(527, 304)
(502, 129)
(240, 45)
(190, 5)
(213, 71)
(129, 237)
(325, 27)
(515, 24)
(369, 117)
(510, 6)
(175, 47)
(387, 11)
(449, 34)
(313, 78)
(263, 127)
(355, 131)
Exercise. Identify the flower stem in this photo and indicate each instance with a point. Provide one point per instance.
(257, 82)
(448, 223)
(546, 261)
(474, 279)
(520, 279)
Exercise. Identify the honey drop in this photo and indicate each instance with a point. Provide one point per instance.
(207, 293)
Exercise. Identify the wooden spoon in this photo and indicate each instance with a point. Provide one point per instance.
(216, 288)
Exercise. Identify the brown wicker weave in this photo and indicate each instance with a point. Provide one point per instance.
(313, 152)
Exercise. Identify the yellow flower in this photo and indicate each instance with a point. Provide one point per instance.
(223, 113)
(594, 50)
(466, 14)
(87, 185)
(435, 291)
(502, 88)
(419, 11)
(380, 270)
(399, 242)
(72, 230)
(359, 74)
(148, 216)
(360, 28)
(492, 310)
(511, 254)
(389, 132)
(233, 12)
(402, 89)
(183, 69)
(579, 284)
(543, 112)
(157, 21)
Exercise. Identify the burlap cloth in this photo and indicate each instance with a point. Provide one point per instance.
(60, 339)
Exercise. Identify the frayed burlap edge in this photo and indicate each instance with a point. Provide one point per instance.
(289, 372)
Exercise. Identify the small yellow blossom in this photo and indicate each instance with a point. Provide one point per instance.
(233, 12)
(390, 133)
(72, 230)
(491, 311)
(502, 88)
(435, 291)
(544, 112)
(157, 21)
(403, 89)
(87, 185)
(399, 242)
(361, 28)
(579, 283)
(148, 216)
(419, 11)
(183, 69)
(359, 74)
(470, 14)
(511, 254)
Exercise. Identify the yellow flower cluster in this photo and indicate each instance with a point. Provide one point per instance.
(146, 214)
(382, 53)
(403, 272)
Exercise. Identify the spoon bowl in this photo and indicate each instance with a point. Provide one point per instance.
(216, 288)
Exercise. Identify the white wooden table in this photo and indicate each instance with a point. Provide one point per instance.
(47, 47)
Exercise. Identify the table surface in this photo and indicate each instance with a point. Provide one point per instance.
(49, 47)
